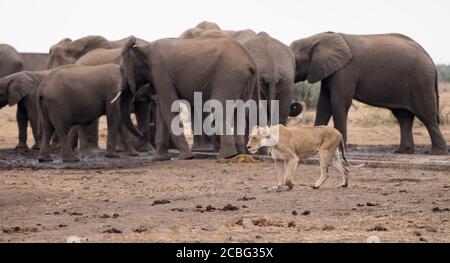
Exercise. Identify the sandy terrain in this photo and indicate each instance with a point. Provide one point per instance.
(121, 204)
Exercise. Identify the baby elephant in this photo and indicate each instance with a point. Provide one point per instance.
(79, 95)
(290, 145)
(21, 89)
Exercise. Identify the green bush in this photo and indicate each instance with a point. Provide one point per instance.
(308, 93)
(443, 72)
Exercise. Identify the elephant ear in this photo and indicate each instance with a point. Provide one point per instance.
(20, 87)
(329, 54)
(127, 65)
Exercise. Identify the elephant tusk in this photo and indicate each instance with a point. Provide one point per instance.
(117, 97)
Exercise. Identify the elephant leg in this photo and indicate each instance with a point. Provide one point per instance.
(339, 109)
(63, 129)
(406, 120)
(73, 137)
(284, 97)
(323, 112)
(113, 131)
(162, 138)
(126, 138)
(227, 141)
(92, 134)
(166, 96)
(239, 137)
(47, 134)
(36, 133)
(438, 143)
(22, 122)
(142, 112)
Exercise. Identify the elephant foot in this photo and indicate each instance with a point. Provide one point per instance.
(133, 153)
(186, 156)
(405, 150)
(21, 146)
(161, 157)
(147, 147)
(71, 159)
(120, 148)
(227, 154)
(45, 159)
(439, 151)
(112, 155)
(36, 147)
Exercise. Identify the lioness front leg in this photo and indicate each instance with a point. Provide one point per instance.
(280, 167)
(290, 172)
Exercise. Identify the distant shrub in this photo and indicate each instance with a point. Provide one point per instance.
(443, 72)
(308, 93)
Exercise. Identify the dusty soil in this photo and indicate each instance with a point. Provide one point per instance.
(137, 200)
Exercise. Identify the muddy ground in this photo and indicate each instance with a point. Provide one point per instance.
(137, 200)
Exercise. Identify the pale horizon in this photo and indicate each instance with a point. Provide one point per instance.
(34, 26)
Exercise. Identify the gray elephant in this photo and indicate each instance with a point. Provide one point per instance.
(21, 89)
(10, 60)
(143, 102)
(219, 67)
(389, 70)
(79, 95)
(34, 61)
(68, 52)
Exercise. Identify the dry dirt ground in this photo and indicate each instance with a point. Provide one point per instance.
(136, 200)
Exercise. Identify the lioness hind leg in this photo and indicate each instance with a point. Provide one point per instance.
(336, 162)
(325, 160)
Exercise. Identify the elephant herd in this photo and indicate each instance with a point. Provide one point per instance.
(63, 94)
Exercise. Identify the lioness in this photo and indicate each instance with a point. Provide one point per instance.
(290, 145)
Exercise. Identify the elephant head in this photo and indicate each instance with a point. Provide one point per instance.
(68, 51)
(15, 87)
(133, 74)
(319, 56)
(199, 29)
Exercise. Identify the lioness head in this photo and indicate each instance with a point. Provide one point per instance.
(262, 136)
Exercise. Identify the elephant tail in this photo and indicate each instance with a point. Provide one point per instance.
(436, 89)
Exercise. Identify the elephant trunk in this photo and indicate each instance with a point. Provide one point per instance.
(125, 100)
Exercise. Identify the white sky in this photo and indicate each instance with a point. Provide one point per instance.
(35, 25)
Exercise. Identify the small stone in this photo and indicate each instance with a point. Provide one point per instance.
(258, 237)
(403, 191)
(372, 204)
(294, 213)
(417, 233)
(210, 208)
(422, 239)
(431, 229)
(209, 227)
(378, 228)
(230, 207)
(292, 224)
(104, 216)
(161, 202)
(112, 231)
(327, 227)
(62, 225)
(306, 213)
(199, 206)
(115, 215)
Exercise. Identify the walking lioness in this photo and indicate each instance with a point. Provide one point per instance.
(290, 145)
